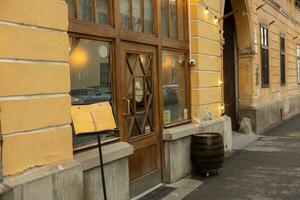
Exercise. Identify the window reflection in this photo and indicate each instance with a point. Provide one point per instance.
(174, 87)
(102, 12)
(125, 14)
(148, 16)
(85, 10)
(173, 19)
(70, 8)
(164, 18)
(90, 71)
(137, 15)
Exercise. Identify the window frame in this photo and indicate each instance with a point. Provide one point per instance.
(109, 140)
(168, 35)
(187, 89)
(282, 52)
(94, 13)
(298, 63)
(116, 35)
(264, 49)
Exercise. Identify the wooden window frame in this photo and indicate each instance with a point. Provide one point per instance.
(185, 18)
(116, 35)
(187, 89)
(264, 46)
(282, 43)
(94, 13)
(298, 63)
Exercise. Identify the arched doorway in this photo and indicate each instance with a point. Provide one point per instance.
(237, 58)
(230, 66)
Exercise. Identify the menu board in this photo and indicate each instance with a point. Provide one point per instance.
(93, 118)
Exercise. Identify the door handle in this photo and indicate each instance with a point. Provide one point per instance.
(128, 106)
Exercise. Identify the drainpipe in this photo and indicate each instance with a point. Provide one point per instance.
(189, 29)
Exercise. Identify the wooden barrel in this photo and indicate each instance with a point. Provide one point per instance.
(207, 151)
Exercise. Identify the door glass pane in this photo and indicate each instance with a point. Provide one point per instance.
(102, 12)
(125, 14)
(85, 10)
(139, 93)
(70, 8)
(173, 19)
(181, 5)
(137, 24)
(174, 87)
(148, 16)
(164, 18)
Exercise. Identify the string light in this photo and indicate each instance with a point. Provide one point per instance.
(216, 19)
(206, 11)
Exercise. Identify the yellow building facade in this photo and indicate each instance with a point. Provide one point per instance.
(222, 76)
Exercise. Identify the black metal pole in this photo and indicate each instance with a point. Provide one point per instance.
(102, 167)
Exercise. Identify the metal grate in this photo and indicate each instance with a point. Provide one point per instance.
(158, 194)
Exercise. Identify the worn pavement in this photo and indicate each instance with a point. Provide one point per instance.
(267, 169)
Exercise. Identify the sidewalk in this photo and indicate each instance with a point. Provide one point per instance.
(268, 168)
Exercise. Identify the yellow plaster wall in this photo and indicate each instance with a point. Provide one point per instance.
(206, 46)
(289, 26)
(206, 41)
(34, 84)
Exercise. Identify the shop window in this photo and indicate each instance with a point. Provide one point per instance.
(95, 11)
(264, 43)
(90, 70)
(282, 60)
(298, 64)
(172, 18)
(137, 15)
(175, 83)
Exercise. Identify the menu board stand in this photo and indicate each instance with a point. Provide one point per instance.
(98, 134)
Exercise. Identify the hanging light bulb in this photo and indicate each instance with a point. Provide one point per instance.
(206, 10)
(216, 19)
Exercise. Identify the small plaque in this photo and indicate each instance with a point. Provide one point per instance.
(93, 118)
(167, 116)
(185, 113)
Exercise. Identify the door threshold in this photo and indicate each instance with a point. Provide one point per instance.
(146, 192)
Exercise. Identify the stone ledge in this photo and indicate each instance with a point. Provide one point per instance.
(38, 173)
(178, 132)
(90, 159)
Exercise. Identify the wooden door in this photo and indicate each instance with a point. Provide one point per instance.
(140, 113)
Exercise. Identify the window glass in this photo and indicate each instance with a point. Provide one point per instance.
(298, 63)
(137, 24)
(174, 87)
(125, 14)
(90, 71)
(264, 56)
(102, 12)
(173, 19)
(70, 8)
(181, 24)
(85, 10)
(282, 60)
(148, 21)
(164, 17)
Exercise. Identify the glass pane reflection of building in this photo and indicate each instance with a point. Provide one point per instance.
(90, 71)
(174, 87)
